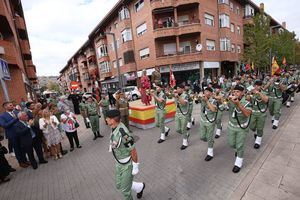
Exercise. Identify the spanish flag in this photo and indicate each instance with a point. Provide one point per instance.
(252, 66)
(275, 66)
(172, 78)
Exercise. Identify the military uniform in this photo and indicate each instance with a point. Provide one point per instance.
(92, 111)
(160, 115)
(221, 106)
(181, 118)
(123, 106)
(83, 112)
(207, 126)
(105, 107)
(258, 117)
(237, 130)
(190, 119)
(121, 145)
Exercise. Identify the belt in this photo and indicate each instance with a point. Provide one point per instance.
(257, 111)
(237, 126)
(125, 160)
(206, 121)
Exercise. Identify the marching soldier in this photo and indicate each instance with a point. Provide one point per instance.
(93, 115)
(221, 106)
(122, 105)
(208, 120)
(156, 77)
(238, 126)
(83, 112)
(189, 92)
(181, 99)
(160, 99)
(259, 101)
(104, 103)
(275, 88)
(122, 146)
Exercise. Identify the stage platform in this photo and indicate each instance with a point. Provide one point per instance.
(143, 117)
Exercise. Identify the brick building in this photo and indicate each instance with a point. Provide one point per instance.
(202, 38)
(15, 49)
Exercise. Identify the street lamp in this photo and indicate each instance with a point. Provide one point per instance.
(271, 28)
(120, 78)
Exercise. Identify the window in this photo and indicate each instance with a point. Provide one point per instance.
(232, 28)
(224, 21)
(120, 63)
(224, 1)
(249, 11)
(238, 29)
(183, 19)
(231, 6)
(126, 35)
(102, 51)
(144, 53)
(210, 45)
(142, 29)
(225, 44)
(238, 48)
(124, 13)
(116, 25)
(209, 19)
(138, 5)
(170, 49)
(238, 10)
(185, 47)
(104, 66)
(233, 48)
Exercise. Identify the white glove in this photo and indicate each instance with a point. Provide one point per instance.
(135, 168)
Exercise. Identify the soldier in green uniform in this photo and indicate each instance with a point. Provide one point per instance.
(238, 126)
(160, 99)
(181, 116)
(122, 146)
(93, 115)
(259, 101)
(83, 112)
(221, 106)
(122, 105)
(208, 118)
(104, 103)
(156, 77)
(275, 88)
(190, 93)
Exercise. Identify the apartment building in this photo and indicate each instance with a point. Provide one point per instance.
(15, 50)
(196, 38)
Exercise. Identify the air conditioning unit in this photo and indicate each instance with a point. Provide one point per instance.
(2, 51)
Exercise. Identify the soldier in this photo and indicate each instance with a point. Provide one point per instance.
(83, 112)
(93, 115)
(160, 99)
(259, 101)
(122, 105)
(156, 77)
(221, 106)
(238, 126)
(123, 149)
(208, 120)
(104, 103)
(275, 88)
(190, 93)
(181, 99)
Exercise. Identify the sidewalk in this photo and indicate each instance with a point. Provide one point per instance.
(276, 174)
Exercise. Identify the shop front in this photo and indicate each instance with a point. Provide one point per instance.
(211, 70)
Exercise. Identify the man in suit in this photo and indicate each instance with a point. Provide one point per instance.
(8, 119)
(29, 109)
(26, 134)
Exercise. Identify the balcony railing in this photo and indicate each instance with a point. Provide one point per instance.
(178, 53)
(171, 24)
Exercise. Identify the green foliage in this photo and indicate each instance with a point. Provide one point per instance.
(297, 53)
(53, 86)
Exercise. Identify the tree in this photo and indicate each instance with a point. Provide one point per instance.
(257, 42)
(53, 86)
(297, 53)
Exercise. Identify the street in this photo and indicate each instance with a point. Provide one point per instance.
(168, 172)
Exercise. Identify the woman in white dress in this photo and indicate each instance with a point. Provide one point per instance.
(49, 125)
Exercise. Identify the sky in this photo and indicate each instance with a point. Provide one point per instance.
(58, 28)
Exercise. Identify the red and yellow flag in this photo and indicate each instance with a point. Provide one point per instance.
(172, 78)
(284, 61)
(275, 66)
(252, 66)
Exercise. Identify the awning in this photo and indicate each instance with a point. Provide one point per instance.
(211, 65)
(149, 72)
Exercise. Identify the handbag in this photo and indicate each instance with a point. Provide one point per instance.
(76, 124)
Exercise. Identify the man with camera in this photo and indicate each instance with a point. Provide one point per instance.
(240, 110)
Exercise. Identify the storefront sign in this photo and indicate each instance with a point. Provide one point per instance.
(211, 65)
(180, 67)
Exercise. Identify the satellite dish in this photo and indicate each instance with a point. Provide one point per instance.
(199, 47)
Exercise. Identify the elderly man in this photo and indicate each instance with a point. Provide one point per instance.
(62, 105)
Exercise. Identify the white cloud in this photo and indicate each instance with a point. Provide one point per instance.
(57, 29)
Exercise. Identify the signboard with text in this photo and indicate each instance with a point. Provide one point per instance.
(4, 71)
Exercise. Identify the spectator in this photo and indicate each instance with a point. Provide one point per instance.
(70, 125)
(62, 106)
(49, 125)
(4, 166)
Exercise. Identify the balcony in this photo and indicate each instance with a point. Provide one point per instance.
(179, 57)
(248, 20)
(156, 4)
(10, 53)
(20, 22)
(106, 74)
(31, 72)
(25, 47)
(176, 29)
(104, 58)
(90, 53)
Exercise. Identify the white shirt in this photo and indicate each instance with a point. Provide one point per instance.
(42, 122)
(69, 126)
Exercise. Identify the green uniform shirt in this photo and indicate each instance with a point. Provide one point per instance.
(190, 94)
(206, 114)
(235, 113)
(92, 108)
(161, 105)
(274, 91)
(121, 142)
(105, 104)
(257, 103)
(182, 109)
(123, 105)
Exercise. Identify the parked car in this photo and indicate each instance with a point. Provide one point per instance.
(87, 95)
(132, 92)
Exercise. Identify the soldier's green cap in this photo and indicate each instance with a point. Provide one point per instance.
(239, 87)
(258, 82)
(113, 113)
(209, 89)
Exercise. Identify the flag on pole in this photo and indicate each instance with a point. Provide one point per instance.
(284, 61)
(172, 78)
(252, 66)
(275, 66)
(248, 67)
(243, 67)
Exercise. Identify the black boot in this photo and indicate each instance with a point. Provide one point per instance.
(95, 136)
(98, 135)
